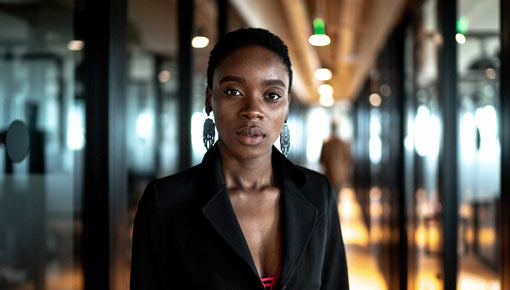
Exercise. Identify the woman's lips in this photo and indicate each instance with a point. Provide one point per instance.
(250, 135)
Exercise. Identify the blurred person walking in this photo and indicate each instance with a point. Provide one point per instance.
(336, 160)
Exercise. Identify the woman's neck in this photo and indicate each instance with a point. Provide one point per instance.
(246, 174)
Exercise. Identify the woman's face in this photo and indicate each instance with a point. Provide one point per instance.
(250, 100)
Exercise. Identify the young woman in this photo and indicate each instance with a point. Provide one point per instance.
(246, 217)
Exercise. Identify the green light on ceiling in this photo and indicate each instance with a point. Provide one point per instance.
(462, 25)
(318, 26)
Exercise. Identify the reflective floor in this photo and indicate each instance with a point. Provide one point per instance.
(364, 272)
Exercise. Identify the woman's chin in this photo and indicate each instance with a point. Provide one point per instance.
(245, 150)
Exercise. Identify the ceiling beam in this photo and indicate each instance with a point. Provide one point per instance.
(300, 28)
(381, 18)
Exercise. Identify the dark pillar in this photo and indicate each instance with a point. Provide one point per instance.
(158, 67)
(505, 145)
(222, 17)
(105, 202)
(185, 81)
(448, 167)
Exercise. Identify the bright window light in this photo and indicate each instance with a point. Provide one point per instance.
(427, 133)
(144, 125)
(374, 142)
(318, 130)
(468, 136)
(76, 129)
(375, 147)
(197, 126)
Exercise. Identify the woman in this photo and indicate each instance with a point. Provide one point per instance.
(246, 217)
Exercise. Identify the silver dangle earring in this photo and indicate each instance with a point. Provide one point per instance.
(285, 139)
(209, 131)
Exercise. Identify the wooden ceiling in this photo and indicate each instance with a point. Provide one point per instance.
(357, 28)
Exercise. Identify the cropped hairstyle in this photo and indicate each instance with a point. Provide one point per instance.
(247, 37)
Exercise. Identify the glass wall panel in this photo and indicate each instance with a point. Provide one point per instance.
(40, 195)
(479, 146)
(206, 25)
(152, 101)
(422, 145)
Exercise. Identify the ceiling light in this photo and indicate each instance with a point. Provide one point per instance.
(462, 25)
(319, 37)
(461, 38)
(319, 40)
(490, 73)
(75, 45)
(200, 41)
(164, 76)
(325, 90)
(327, 100)
(385, 90)
(375, 100)
(323, 74)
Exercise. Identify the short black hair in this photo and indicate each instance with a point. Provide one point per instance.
(247, 37)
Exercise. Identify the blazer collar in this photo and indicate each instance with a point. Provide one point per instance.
(299, 215)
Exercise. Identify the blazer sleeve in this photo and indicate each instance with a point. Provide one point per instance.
(147, 260)
(334, 275)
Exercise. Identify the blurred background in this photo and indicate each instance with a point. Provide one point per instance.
(110, 95)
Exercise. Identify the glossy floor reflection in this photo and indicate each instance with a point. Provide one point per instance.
(364, 273)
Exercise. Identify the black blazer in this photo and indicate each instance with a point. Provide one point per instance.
(186, 234)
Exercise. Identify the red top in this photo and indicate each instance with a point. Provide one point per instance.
(270, 282)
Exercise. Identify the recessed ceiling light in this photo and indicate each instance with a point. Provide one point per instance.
(327, 100)
(199, 42)
(323, 74)
(75, 45)
(326, 90)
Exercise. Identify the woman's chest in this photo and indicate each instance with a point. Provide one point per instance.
(260, 220)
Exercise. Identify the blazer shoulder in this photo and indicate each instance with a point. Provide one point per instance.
(175, 189)
(318, 189)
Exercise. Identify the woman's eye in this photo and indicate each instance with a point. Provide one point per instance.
(273, 96)
(232, 92)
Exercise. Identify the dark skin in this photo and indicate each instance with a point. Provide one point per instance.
(250, 100)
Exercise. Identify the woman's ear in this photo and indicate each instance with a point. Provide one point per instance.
(208, 103)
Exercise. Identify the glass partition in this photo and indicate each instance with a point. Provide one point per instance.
(422, 145)
(40, 224)
(478, 68)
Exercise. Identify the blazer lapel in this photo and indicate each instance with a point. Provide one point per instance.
(218, 209)
(299, 216)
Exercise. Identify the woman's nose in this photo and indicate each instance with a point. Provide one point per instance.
(252, 108)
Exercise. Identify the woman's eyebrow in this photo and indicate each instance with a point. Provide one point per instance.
(232, 79)
(277, 82)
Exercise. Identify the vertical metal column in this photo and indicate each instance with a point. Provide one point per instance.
(185, 15)
(105, 202)
(222, 17)
(158, 136)
(505, 145)
(448, 167)
(400, 189)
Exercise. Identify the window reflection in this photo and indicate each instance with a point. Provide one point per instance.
(40, 83)
(479, 147)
